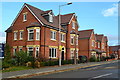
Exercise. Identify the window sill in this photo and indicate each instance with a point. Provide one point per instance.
(15, 39)
(63, 41)
(37, 40)
(73, 28)
(24, 20)
(30, 40)
(53, 58)
(20, 39)
(72, 44)
(53, 39)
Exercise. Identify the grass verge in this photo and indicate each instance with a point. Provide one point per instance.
(16, 68)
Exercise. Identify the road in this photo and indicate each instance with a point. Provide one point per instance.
(109, 71)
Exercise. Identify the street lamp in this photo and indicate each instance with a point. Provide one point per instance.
(60, 31)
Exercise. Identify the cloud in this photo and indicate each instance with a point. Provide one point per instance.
(113, 11)
(113, 40)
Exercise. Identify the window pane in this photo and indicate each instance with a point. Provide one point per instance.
(55, 53)
(50, 52)
(51, 35)
(54, 35)
(31, 35)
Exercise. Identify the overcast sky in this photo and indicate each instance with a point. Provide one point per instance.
(100, 16)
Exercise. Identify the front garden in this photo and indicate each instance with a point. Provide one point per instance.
(22, 62)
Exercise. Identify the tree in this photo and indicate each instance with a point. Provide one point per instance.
(21, 57)
(7, 53)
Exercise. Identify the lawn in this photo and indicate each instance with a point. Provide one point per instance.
(16, 68)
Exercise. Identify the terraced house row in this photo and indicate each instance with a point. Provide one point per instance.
(37, 32)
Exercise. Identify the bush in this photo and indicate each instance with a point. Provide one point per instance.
(93, 59)
(6, 65)
(64, 62)
(83, 59)
(70, 61)
(103, 58)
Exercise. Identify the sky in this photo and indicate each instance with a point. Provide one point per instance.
(100, 16)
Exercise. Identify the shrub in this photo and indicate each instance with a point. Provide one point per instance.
(83, 59)
(93, 59)
(28, 64)
(103, 58)
(64, 62)
(6, 65)
(70, 61)
(37, 64)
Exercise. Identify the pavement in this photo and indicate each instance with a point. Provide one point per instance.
(52, 69)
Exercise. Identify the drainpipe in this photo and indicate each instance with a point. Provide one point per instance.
(88, 48)
(44, 39)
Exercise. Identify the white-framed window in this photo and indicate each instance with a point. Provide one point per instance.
(53, 35)
(14, 51)
(20, 49)
(73, 24)
(52, 52)
(37, 52)
(72, 54)
(98, 44)
(77, 40)
(102, 46)
(30, 34)
(50, 18)
(24, 16)
(72, 40)
(62, 37)
(21, 35)
(15, 35)
(30, 51)
(93, 43)
(37, 34)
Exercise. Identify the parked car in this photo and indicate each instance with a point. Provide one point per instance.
(82, 59)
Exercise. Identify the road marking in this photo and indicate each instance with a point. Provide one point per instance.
(102, 75)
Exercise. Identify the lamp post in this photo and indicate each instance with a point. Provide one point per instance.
(60, 31)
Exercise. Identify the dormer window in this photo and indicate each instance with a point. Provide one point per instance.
(24, 16)
(50, 18)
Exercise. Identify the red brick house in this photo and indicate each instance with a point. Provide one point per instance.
(91, 44)
(87, 41)
(102, 44)
(37, 32)
(115, 50)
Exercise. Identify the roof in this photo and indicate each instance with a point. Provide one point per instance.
(99, 37)
(85, 33)
(114, 48)
(38, 13)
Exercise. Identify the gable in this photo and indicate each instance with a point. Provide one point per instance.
(24, 9)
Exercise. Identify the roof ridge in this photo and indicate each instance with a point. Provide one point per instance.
(33, 6)
(86, 30)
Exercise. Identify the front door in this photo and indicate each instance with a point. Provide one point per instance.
(62, 57)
